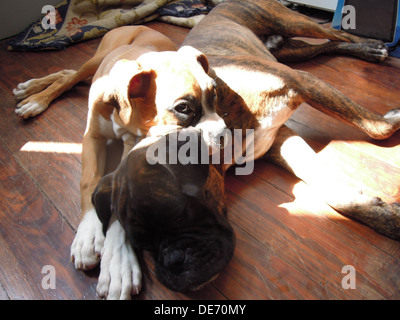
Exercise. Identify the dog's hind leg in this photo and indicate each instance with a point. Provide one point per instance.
(270, 17)
(290, 50)
(292, 153)
(37, 94)
(332, 102)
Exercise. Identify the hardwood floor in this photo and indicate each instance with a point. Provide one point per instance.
(290, 245)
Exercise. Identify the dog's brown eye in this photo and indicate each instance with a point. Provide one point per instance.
(183, 108)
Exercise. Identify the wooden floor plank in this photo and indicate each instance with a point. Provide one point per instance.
(33, 235)
(291, 230)
(258, 272)
(299, 193)
(53, 172)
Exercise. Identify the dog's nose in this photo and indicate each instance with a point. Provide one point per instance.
(213, 130)
(174, 260)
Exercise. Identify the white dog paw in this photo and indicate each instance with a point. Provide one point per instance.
(120, 275)
(88, 243)
(30, 109)
(21, 92)
(33, 102)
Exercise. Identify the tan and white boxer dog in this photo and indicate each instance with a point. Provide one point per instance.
(254, 91)
(139, 81)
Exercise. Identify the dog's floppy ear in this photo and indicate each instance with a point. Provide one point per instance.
(101, 199)
(139, 85)
(199, 56)
(110, 196)
(130, 75)
(128, 80)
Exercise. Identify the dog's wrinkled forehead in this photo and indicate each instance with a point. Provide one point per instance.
(184, 92)
(187, 64)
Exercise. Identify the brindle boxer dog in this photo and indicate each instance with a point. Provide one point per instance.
(174, 210)
(255, 91)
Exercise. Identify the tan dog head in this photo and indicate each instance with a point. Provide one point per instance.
(167, 88)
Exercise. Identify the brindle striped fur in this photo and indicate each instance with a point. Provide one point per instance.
(232, 37)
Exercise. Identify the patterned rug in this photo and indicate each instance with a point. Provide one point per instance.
(77, 20)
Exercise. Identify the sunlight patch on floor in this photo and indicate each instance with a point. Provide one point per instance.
(52, 147)
(307, 202)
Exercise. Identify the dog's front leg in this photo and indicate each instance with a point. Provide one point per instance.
(130, 141)
(120, 273)
(88, 243)
(294, 154)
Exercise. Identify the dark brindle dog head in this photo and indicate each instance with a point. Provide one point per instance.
(176, 211)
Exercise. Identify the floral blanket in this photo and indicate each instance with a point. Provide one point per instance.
(77, 20)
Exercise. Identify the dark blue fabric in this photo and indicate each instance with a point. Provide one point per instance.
(184, 8)
(35, 37)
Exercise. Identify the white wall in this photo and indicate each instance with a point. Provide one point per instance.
(16, 15)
